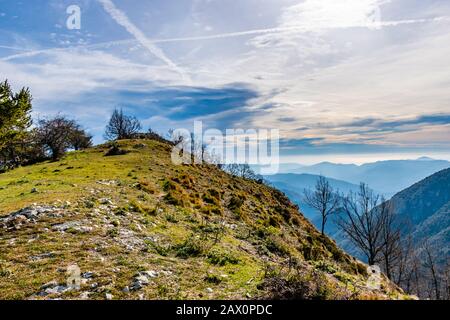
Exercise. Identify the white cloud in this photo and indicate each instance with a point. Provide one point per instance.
(67, 74)
(328, 14)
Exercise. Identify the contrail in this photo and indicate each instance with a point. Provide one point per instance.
(13, 48)
(122, 19)
(28, 54)
(299, 29)
(222, 36)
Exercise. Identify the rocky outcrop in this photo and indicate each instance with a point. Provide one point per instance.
(29, 215)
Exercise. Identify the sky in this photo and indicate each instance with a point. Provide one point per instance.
(343, 80)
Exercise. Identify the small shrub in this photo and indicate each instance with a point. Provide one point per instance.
(213, 279)
(139, 146)
(185, 180)
(274, 221)
(215, 193)
(163, 290)
(236, 202)
(169, 185)
(137, 207)
(5, 273)
(344, 277)
(207, 198)
(221, 258)
(264, 232)
(175, 199)
(285, 212)
(121, 211)
(361, 269)
(115, 151)
(144, 186)
(116, 223)
(309, 286)
(113, 232)
(331, 246)
(171, 218)
(191, 247)
(89, 204)
(296, 221)
(159, 249)
(326, 267)
(276, 246)
(313, 252)
(212, 232)
(175, 194)
(211, 210)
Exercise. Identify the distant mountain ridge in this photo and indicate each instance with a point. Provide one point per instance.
(425, 207)
(389, 177)
(308, 181)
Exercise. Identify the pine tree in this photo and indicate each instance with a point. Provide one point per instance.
(15, 121)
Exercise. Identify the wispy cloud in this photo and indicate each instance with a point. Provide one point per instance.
(122, 19)
(302, 29)
(150, 44)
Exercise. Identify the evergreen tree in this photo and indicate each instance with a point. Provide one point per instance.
(15, 121)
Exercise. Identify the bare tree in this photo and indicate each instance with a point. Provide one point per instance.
(431, 265)
(410, 280)
(232, 169)
(121, 126)
(391, 250)
(447, 279)
(198, 150)
(364, 221)
(242, 170)
(55, 135)
(324, 199)
(402, 271)
(175, 137)
(79, 139)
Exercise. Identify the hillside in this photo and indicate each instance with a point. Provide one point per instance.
(389, 177)
(139, 227)
(425, 207)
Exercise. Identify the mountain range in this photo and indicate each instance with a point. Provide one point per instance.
(388, 177)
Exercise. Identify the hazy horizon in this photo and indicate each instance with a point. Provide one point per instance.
(358, 159)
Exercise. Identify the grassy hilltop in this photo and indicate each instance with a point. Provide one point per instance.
(139, 227)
